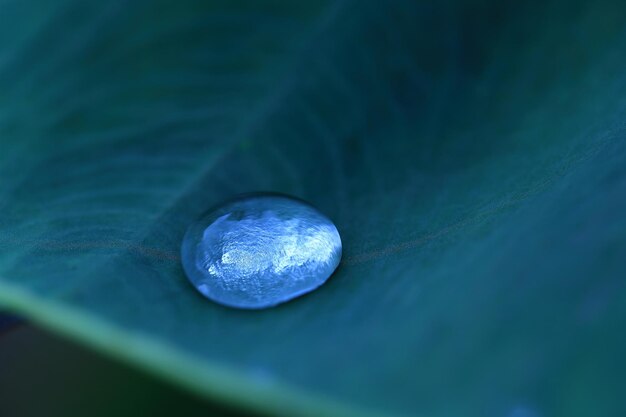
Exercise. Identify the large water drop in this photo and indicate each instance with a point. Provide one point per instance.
(260, 250)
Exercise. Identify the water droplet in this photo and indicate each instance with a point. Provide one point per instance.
(260, 250)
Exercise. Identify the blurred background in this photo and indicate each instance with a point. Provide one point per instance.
(44, 375)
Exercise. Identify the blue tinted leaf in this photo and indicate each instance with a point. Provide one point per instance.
(472, 155)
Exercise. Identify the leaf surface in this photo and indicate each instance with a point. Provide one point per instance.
(471, 154)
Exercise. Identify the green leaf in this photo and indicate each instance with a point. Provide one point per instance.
(471, 153)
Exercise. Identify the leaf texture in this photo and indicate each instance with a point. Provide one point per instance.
(471, 153)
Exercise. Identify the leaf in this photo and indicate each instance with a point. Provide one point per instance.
(472, 155)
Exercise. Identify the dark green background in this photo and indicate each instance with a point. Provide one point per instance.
(471, 153)
(43, 375)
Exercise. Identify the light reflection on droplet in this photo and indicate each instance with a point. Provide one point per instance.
(260, 250)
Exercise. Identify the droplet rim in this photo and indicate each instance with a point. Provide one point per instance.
(188, 246)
